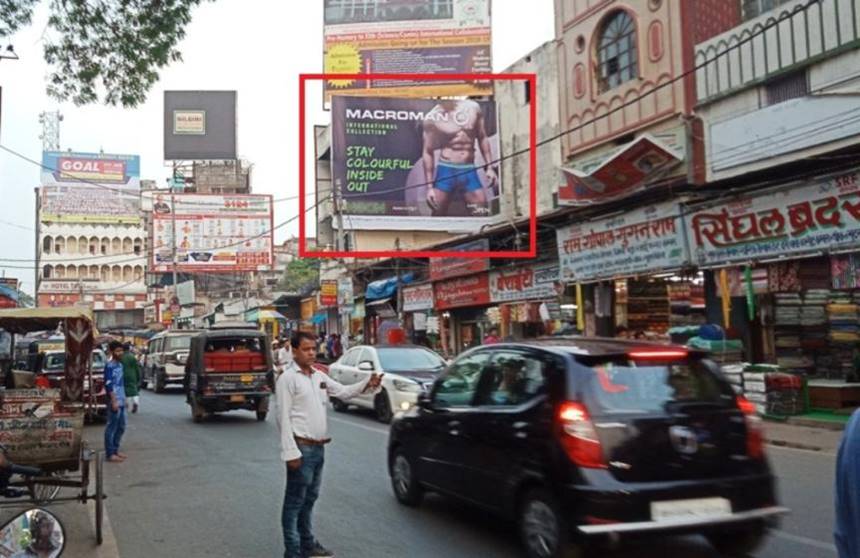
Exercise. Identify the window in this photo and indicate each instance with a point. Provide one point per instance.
(786, 88)
(184, 342)
(47, 244)
(457, 388)
(351, 357)
(628, 387)
(365, 356)
(46, 272)
(617, 55)
(753, 8)
(513, 378)
(409, 359)
(528, 92)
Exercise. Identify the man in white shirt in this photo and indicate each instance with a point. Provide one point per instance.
(302, 394)
(284, 357)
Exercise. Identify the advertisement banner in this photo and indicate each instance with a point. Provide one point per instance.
(417, 298)
(227, 233)
(328, 293)
(462, 292)
(345, 294)
(407, 36)
(189, 122)
(445, 268)
(647, 239)
(416, 162)
(524, 283)
(185, 293)
(821, 215)
(90, 188)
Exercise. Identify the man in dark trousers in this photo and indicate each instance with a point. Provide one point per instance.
(302, 395)
(131, 375)
(115, 388)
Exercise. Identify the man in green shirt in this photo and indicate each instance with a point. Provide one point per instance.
(131, 375)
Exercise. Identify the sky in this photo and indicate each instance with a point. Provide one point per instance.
(257, 47)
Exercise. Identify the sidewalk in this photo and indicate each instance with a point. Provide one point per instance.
(822, 437)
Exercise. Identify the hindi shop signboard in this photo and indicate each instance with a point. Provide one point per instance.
(229, 233)
(378, 163)
(473, 290)
(445, 268)
(418, 298)
(328, 293)
(408, 36)
(823, 215)
(524, 283)
(639, 241)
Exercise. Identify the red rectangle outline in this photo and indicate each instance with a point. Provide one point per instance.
(369, 254)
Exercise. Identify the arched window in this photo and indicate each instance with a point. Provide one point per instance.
(127, 274)
(83, 243)
(126, 245)
(116, 274)
(617, 56)
(138, 246)
(138, 272)
(47, 245)
(116, 246)
(94, 272)
(105, 246)
(72, 244)
(47, 272)
(59, 245)
(94, 245)
(60, 272)
(105, 274)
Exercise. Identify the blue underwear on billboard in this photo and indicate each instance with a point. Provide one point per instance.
(450, 176)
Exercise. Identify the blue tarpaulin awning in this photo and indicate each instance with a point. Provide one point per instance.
(319, 319)
(385, 288)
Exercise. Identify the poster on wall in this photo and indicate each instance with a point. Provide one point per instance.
(823, 214)
(227, 233)
(407, 36)
(643, 240)
(416, 163)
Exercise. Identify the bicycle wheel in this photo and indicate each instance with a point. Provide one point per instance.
(99, 496)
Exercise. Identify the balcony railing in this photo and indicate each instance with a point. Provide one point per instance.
(795, 35)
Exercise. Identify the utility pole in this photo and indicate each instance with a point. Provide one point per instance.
(173, 315)
(50, 136)
(399, 288)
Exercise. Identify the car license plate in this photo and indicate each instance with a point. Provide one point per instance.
(237, 398)
(247, 378)
(690, 509)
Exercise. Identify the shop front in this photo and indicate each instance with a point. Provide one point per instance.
(417, 308)
(528, 300)
(786, 267)
(381, 307)
(631, 274)
(462, 304)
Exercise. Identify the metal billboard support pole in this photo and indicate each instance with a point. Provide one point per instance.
(173, 316)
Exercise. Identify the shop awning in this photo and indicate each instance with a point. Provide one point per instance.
(25, 320)
(385, 288)
(271, 315)
(319, 319)
(380, 302)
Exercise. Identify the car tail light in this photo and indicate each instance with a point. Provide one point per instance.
(755, 435)
(579, 437)
(658, 354)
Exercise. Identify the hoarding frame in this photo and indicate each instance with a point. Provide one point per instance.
(370, 254)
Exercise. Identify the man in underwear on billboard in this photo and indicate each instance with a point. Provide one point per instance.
(453, 127)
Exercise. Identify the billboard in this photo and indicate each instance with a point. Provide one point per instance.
(473, 290)
(90, 188)
(445, 268)
(199, 125)
(417, 298)
(215, 233)
(416, 163)
(524, 283)
(407, 36)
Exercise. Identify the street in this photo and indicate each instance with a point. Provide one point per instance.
(216, 489)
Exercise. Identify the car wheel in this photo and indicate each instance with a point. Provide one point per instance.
(405, 484)
(339, 405)
(198, 413)
(159, 382)
(738, 543)
(382, 406)
(543, 530)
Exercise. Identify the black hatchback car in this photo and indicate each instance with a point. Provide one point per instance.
(590, 440)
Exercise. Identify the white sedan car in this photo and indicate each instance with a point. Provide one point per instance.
(409, 370)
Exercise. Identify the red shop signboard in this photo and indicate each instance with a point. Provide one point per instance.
(461, 292)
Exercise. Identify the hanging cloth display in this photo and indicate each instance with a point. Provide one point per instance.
(749, 289)
(726, 298)
(580, 309)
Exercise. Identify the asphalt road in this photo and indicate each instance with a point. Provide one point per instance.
(216, 489)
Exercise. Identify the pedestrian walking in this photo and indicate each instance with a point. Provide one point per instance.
(285, 356)
(115, 388)
(492, 337)
(302, 395)
(847, 531)
(131, 377)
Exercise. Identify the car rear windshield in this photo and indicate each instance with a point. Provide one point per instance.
(55, 362)
(234, 345)
(409, 359)
(650, 387)
(178, 343)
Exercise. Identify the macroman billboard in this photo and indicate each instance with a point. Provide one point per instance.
(416, 164)
(90, 188)
(215, 233)
(408, 36)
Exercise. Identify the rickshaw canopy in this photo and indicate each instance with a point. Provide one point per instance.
(27, 320)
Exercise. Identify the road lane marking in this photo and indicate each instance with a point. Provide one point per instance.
(814, 543)
(359, 425)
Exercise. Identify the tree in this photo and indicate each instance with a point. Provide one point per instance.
(25, 300)
(108, 50)
(301, 274)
